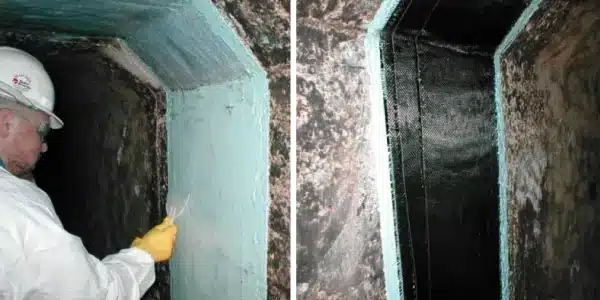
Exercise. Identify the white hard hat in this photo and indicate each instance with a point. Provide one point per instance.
(24, 79)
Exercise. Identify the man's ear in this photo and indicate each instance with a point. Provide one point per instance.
(5, 123)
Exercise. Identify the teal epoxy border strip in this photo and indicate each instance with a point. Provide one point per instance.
(383, 176)
(501, 140)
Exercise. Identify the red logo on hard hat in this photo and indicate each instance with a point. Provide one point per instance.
(22, 82)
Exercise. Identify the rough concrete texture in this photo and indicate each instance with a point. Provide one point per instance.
(264, 26)
(550, 90)
(338, 237)
(108, 163)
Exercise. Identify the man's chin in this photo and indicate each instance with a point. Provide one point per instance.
(25, 171)
(27, 176)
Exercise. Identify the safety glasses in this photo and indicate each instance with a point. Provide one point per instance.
(42, 129)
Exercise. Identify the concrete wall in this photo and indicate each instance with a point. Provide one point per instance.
(549, 99)
(339, 245)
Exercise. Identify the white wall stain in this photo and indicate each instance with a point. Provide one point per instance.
(529, 177)
(121, 54)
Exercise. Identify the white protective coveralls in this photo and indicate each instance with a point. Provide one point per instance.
(39, 259)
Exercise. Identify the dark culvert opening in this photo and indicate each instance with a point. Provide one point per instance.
(439, 74)
(105, 171)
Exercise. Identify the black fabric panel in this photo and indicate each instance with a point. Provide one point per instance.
(460, 172)
(409, 188)
(442, 139)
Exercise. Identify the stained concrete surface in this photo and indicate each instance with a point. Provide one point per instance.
(440, 115)
(264, 26)
(338, 238)
(550, 101)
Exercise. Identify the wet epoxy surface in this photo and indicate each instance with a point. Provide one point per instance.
(442, 137)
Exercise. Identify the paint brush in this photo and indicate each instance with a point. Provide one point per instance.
(172, 210)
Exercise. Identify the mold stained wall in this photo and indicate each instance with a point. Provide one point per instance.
(341, 163)
(224, 69)
(550, 91)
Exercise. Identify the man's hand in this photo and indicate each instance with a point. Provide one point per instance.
(159, 241)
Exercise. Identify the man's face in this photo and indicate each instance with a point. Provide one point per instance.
(28, 139)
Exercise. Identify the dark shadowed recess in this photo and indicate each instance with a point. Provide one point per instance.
(482, 23)
(106, 169)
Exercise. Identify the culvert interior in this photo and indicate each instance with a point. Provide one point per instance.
(442, 125)
(439, 78)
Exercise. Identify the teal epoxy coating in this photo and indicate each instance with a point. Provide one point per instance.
(222, 240)
(195, 47)
(392, 264)
(88, 17)
(185, 42)
(502, 167)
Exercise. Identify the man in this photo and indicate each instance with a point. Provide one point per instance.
(38, 258)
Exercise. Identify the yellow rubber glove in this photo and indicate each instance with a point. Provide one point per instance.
(159, 241)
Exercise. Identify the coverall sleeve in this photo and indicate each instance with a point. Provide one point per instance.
(68, 271)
